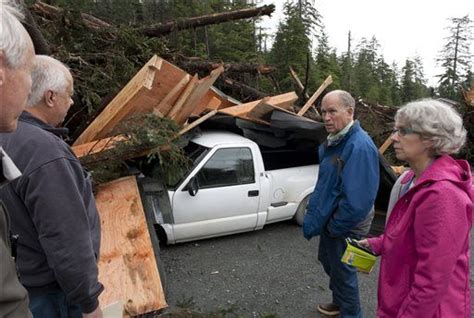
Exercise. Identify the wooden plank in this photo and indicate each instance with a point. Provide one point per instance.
(97, 146)
(183, 97)
(284, 101)
(262, 112)
(164, 106)
(206, 100)
(119, 106)
(197, 94)
(388, 142)
(296, 79)
(127, 263)
(197, 122)
(315, 96)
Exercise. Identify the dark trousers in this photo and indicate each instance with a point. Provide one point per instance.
(53, 305)
(342, 277)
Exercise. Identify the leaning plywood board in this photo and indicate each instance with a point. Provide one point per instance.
(127, 263)
(142, 94)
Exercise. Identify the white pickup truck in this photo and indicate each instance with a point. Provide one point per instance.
(228, 190)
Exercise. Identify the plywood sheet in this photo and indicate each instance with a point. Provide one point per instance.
(127, 264)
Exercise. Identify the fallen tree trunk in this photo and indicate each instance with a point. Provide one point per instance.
(39, 42)
(190, 23)
(244, 89)
(206, 66)
(51, 12)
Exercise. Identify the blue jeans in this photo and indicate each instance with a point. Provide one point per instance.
(342, 277)
(53, 305)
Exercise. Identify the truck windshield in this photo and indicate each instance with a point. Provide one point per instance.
(195, 153)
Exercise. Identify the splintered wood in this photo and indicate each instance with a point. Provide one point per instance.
(127, 264)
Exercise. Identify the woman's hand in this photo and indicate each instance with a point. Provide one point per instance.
(364, 243)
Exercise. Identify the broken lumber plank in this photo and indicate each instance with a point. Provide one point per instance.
(121, 105)
(297, 80)
(127, 263)
(315, 96)
(141, 94)
(183, 97)
(196, 95)
(197, 122)
(285, 101)
(165, 105)
(97, 146)
(262, 112)
(214, 99)
(388, 142)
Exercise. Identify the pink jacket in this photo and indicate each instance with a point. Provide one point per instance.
(424, 269)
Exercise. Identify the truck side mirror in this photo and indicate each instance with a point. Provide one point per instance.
(193, 186)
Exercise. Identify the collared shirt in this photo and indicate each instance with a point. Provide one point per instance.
(334, 138)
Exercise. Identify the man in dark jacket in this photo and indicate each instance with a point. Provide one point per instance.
(342, 203)
(16, 62)
(55, 212)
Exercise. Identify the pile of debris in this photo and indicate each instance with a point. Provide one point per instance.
(128, 262)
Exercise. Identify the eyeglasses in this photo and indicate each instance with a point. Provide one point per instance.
(403, 131)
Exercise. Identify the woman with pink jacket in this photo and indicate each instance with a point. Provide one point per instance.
(424, 269)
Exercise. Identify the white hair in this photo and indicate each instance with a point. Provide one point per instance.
(436, 122)
(345, 98)
(48, 74)
(14, 40)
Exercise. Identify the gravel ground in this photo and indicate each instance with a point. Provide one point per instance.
(273, 272)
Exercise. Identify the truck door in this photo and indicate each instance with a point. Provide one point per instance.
(227, 199)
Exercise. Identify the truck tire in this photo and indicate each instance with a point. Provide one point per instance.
(301, 211)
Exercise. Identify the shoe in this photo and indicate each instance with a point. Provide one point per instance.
(328, 309)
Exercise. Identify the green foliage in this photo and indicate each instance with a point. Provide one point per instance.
(293, 43)
(455, 59)
(145, 133)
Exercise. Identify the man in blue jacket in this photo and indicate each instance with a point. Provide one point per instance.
(55, 213)
(342, 204)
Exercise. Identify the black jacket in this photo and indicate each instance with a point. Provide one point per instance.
(55, 214)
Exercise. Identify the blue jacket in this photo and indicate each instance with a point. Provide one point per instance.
(347, 185)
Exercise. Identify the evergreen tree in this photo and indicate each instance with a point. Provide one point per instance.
(365, 70)
(455, 58)
(413, 81)
(346, 66)
(293, 43)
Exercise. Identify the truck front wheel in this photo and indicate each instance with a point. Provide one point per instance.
(301, 211)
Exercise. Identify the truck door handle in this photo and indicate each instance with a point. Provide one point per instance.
(253, 193)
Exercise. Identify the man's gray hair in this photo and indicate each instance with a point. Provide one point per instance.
(436, 122)
(48, 74)
(14, 40)
(345, 97)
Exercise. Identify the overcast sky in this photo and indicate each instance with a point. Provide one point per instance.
(404, 28)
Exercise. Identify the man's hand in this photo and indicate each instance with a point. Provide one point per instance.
(95, 314)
